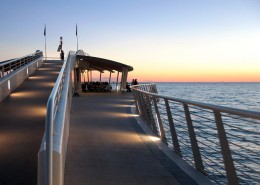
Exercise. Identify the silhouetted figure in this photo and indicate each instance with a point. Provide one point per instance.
(135, 82)
(128, 89)
(62, 55)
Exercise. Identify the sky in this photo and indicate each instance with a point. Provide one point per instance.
(165, 41)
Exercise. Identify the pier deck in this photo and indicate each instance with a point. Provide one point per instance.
(105, 146)
(22, 122)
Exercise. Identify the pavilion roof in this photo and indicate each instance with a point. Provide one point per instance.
(100, 64)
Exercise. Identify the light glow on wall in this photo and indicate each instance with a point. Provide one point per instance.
(9, 85)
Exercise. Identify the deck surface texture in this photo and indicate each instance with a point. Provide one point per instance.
(105, 148)
(22, 122)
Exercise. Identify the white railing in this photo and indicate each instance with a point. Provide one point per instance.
(221, 142)
(7, 67)
(52, 153)
(13, 72)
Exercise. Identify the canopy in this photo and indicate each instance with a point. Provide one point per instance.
(101, 64)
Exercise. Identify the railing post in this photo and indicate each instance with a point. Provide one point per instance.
(143, 106)
(175, 140)
(194, 144)
(139, 101)
(150, 114)
(227, 157)
(3, 71)
(10, 68)
(162, 132)
(136, 101)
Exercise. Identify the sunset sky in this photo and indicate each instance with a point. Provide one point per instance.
(169, 40)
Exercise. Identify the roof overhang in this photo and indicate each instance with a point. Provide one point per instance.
(100, 64)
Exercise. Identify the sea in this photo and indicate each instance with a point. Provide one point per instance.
(235, 94)
(244, 136)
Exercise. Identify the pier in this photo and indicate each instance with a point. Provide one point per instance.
(52, 133)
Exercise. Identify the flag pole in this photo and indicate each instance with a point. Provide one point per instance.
(77, 37)
(45, 49)
(45, 42)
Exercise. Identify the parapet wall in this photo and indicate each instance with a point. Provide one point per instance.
(10, 82)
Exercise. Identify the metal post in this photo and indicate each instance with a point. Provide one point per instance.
(140, 104)
(175, 140)
(150, 114)
(227, 157)
(100, 78)
(45, 49)
(144, 108)
(136, 102)
(194, 144)
(162, 133)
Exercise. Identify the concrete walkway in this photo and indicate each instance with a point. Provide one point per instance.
(105, 146)
(22, 121)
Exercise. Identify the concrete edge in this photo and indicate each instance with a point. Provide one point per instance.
(198, 177)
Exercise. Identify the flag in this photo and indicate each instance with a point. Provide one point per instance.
(44, 31)
(76, 30)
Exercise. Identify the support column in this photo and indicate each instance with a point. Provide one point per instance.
(88, 75)
(117, 80)
(109, 78)
(79, 79)
(123, 79)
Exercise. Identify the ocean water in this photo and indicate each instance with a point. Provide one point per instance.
(235, 95)
(243, 134)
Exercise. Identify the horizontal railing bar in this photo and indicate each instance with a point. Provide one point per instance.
(235, 136)
(240, 112)
(243, 148)
(239, 128)
(240, 119)
(208, 146)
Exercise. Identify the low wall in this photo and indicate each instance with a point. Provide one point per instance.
(10, 82)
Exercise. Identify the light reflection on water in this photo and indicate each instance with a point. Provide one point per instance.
(243, 135)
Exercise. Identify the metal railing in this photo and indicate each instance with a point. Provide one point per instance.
(7, 67)
(221, 142)
(58, 111)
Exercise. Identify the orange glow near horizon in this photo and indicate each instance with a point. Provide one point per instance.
(188, 76)
(223, 77)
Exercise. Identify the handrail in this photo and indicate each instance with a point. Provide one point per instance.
(7, 67)
(221, 142)
(239, 112)
(59, 100)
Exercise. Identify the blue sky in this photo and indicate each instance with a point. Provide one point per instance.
(141, 33)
